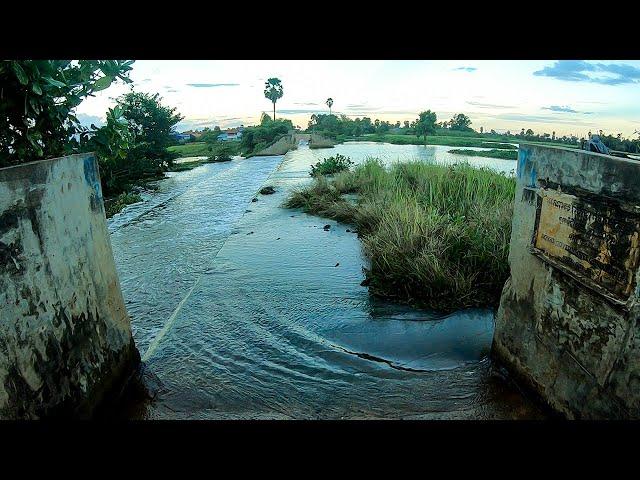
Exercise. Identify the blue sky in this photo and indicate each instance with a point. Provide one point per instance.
(568, 97)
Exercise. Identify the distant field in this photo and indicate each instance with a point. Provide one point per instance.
(194, 149)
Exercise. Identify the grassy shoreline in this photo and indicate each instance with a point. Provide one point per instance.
(436, 236)
(497, 142)
(493, 153)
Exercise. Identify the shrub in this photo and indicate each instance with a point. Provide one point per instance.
(331, 165)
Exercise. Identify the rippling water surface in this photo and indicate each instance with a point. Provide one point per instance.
(244, 309)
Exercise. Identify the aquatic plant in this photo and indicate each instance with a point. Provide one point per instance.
(436, 236)
(493, 153)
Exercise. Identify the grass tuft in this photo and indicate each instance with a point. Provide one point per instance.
(436, 236)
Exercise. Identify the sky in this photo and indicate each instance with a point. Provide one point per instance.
(567, 96)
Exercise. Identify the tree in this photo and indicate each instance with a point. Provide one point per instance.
(529, 132)
(481, 130)
(38, 99)
(111, 143)
(264, 118)
(329, 103)
(151, 122)
(273, 91)
(460, 122)
(425, 124)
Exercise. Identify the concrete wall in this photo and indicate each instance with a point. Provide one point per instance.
(568, 318)
(65, 337)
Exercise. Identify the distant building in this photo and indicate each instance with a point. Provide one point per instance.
(182, 137)
(194, 133)
(231, 134)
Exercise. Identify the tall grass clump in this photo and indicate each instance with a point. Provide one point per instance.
(436, 236)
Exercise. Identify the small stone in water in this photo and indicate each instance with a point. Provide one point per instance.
(327, 227)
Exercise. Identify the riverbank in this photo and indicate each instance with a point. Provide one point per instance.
(486, 141)
(437, 236)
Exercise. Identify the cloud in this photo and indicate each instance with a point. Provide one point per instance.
(489, 105)
(564, 109)
(307, 104)
(87, 120)
(212, 85)
(521, 117)
(361, 107)
(581, 71)
(557, 108)
(298, 110)
(466, 69)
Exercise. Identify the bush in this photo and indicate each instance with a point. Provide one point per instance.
(331, 165)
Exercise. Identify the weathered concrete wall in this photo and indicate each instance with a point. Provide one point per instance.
(65, 336)
(568, 318)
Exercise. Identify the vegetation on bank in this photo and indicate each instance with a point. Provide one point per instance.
(455, 132)
(37, 120)
(493, 153)
(115, 205)
(436, 236)
(258, 138)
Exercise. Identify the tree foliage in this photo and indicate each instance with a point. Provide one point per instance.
(38, 100)
(329, 103)
(152, 124)
(259, 137)
(273, 91)
(460, 122)
(425, 124)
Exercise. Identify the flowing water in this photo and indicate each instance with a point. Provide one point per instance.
(247, 310)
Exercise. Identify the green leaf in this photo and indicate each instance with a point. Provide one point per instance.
(36, 89)
(22, 76)
(53, 82)
(102, 83)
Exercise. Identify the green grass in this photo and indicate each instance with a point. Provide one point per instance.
(436, 236)
(493, 153)
(501, 146)
(115, 205)
(195, 149)
(183, 167)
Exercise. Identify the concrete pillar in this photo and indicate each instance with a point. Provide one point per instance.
(65, 336)
(568, 318)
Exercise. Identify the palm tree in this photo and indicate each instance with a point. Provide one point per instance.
(329, 102)
(273, 91)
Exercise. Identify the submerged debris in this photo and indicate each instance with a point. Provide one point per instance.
(268, 190)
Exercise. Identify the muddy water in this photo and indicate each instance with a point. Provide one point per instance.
(243, 309)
